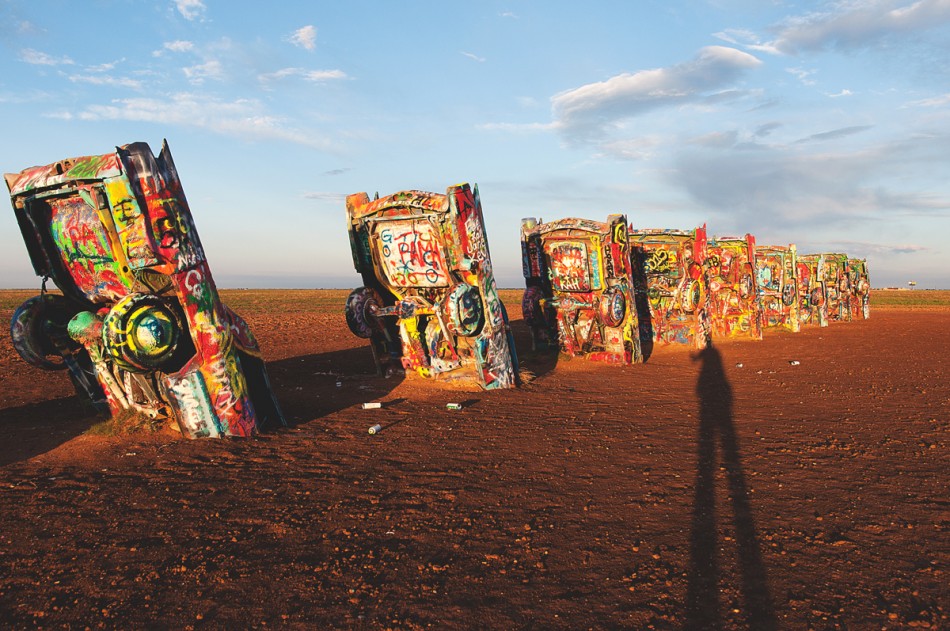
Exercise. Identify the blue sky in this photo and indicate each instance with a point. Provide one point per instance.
(826, 124)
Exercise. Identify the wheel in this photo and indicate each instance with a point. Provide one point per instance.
(613, 307)
(145, 333)
(788, 294)
(693, 296)
(746, 283)
(36, 327)
(361, 306)
(464, 307)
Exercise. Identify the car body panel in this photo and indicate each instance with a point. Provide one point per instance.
(429, 303)
(813, 293)
(668, 265)
(579, 288)
(733, 289)
(115, 234)
(860, 289)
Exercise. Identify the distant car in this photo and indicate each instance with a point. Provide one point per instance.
(429, 303)
(139, 324)
(860, 289)
(813, 294)
(778, 286)
(734, 296)
(671, 276)
(838, 287)
(580, 293)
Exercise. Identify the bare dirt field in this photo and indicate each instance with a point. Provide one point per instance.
(686, 492)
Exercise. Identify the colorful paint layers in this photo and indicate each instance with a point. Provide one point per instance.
(139, 309)
(580, 289)
(429, 303)
(669, 266)
(735, 309)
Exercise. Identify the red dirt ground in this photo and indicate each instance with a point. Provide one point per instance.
(686, 492)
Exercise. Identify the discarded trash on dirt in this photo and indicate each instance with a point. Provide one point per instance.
(738, 365)
(453, 406)
(375, 429)
(794, 362)
(372, 406)
(339, 384)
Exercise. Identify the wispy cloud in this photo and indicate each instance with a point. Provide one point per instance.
(508, 14)
(199, 73)
(858, 24)
(328, 197)
(176, 46)
(305, 37)
(835, 133)
(584, 113)
(191, 9)
(844, 92)
(242, 118)
(317, 76)
(38, 58)
(937, 101)
(473, 56)
(104, 79)
(864, 248)
(340, 171)
(802, 74)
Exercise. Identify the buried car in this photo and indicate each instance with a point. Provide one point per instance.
(668, 268)
(860, 289)
(838, 287)
(812, 292)
(778, 286)
(579, 288)
(735, 309)
(139, 325)
(429, 302)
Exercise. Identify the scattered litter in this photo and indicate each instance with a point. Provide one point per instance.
(453, 406)
(738, 365)
(372, 406)
(390, 532)
(339, 384)
(375, 429)
(794, 362)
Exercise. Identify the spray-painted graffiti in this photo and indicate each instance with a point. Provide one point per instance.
(579, 294)
(860, 289)
(735, 306)
(672, 285)
(139, 309)
(813, 295)
(429, 300)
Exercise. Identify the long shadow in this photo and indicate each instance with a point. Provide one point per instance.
(36, 428)
(539, 362)
(716, 425)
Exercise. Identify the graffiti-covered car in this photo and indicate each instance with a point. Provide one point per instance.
(860, 289)
(429, 303)
(778, 286)
(668, 269)
(735, 309)
(139, 325)
(579, 291)
(838, 287)
(812, 293)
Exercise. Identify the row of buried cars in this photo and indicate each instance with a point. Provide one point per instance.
(139, 327)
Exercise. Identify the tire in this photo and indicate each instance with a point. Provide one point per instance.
(693, 296)
(361, 306)
(788, 294)
(613, 308)
(466, 313)
(33, 327)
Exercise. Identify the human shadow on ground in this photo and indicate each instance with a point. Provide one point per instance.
(716, 427)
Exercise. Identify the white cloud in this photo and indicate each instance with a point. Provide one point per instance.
(38, 58)
(242, 118)
(508, 14)
(191, 9)
(834, 134)
(585, 112)
(102, 79)
(937, 101)
(209, 70)
(331, 197)
(473, 56)
(316, 76)
(305, 37)
(858, 24)
(176, 46)
(517, 127)
(844, 92)
(802, 74)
